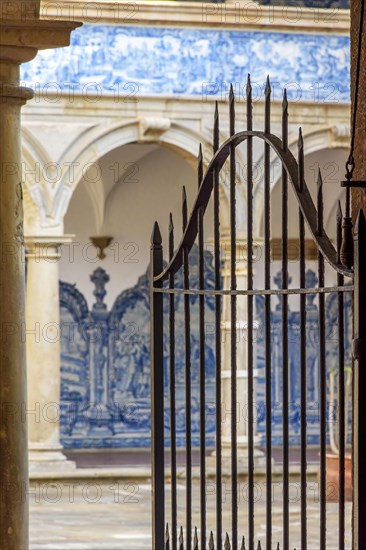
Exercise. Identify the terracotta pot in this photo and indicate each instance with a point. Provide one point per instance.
(333, 477)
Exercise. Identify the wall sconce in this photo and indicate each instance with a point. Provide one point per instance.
(101, 243)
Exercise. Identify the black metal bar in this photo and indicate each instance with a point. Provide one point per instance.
(216, 192)
(303, 377)
(323, 374)
(202, 379)
(173, 447)
(272, 292)
(353, 183)
(359, 383)
(234, 450)
(285, 381)
(341, 395)
(267, 284)
(187, 330)
(157, 393)
(181, 539)
(250, 318)
(167, 538)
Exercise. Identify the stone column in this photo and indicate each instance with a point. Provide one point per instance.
(242, 367)
(43, 337)
(21, 36)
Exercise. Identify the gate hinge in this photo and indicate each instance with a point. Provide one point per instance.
(358, 348)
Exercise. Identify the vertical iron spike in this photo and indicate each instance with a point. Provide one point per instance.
(249, 104)
(171, 236)
(267, 107)
(195, 539)
(156, 235)
(320, 204)
(181, 539)
(200, 166)
(285, 121)
(249, 86)
(184, 208)
(300, 149)
(211, 543)
(360, 223)
(339, 218)
(167, 538)
(227, 545)
(232, 110)
(242, 544)
(278, 546)
(268, 90)
(259, 547)
(216, 128)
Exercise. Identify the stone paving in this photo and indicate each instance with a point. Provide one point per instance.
(115, 515)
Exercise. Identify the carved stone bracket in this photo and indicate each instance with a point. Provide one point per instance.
(152, 128)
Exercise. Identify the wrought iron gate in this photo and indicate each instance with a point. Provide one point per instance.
(350, 281)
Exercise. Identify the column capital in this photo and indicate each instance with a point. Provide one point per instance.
(20, 40)
(45, 247)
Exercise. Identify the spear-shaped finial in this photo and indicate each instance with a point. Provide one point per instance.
(267, 91)
(211, 543)
(156, 235)
(231, 93)
(242, 544)
(199, 166)
(267, 107)
(216, 128)
(259, 547)
(232, 110)
(285, 120)
(184, 208)
(227, 545)
(167, 538)
(300, 150)
(181, 539)
(320, 205)
(171, 236)
(339, 219)
(195, 539)
(360, 225)
(249, 104)
(249, 86)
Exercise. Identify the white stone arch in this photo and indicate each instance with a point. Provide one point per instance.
(94, 143)
(330, 137)
(34, 157)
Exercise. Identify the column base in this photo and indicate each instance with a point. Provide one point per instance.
(43, 458)
(242, 461)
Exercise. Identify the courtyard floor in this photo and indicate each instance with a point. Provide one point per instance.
(93, 515)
